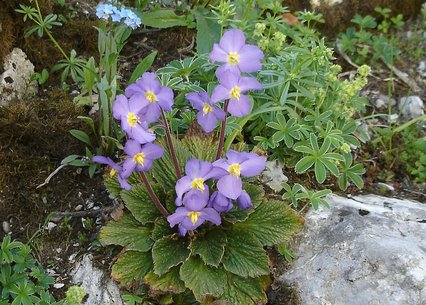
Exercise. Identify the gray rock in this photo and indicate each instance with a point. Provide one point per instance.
(102, 290)
(422, 69)
(273, 175)
(15, 80)
(366, 250)
(383, 101)
(411, 107)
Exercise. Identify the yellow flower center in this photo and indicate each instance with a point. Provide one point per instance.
(113, 172)
(235, 169)
(139, 158)
(207, 108)
(132, 119)
(151, 97)
(233, 58)
(193, 216)
(198, 184)
(235, 93)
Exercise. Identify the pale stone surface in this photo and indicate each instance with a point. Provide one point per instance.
(273, 175)
(411, 107)
(15, 80)
(369, 250)
(102, 290)
(316, 3)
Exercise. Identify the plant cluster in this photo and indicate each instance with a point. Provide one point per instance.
(223, 220)
(364, 44)
(23, 282)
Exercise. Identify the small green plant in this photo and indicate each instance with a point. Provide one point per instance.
(413, 153)
(364, 45)
(24, 282)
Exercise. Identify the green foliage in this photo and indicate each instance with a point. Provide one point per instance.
(226, 263)
(413, 153)
(24, 282)
(363, 44)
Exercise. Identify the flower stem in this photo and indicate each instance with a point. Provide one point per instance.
(49, 34)
(154, 197)
(170, 144)
(222, 132)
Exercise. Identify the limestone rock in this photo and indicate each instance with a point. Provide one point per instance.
(15, 80)
(273, 175)
(366, 250)
(102, 290)
(383, 101)
(411, 107)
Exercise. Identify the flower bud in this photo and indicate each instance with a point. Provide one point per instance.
(244, 201)
(220, 203)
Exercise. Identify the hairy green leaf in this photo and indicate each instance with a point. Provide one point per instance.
(169, 282)
(244, 255)
(168, 252)
(128, 233)
(132, 266)
(210, 246)
(245, 291)
(272, 223)
(140, 204)
(203, 280)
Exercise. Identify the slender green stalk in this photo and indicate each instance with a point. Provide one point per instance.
(49, 34)
(154, 197)
(222, 132)
(170, 144)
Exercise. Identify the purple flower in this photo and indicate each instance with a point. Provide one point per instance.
(197, 172)
(115, 169)
(238, 164)
(208, 112)
(220, 203)
(140, 157)
(244, 201)
(235, 54)
(233, 86)
(149, 91)
(129, 112)
(193, 214)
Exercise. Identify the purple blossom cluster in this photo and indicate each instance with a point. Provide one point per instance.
(236, 58)
(197, 206)
(145, 101)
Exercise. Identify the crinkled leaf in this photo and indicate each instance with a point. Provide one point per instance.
(112, 185)
(128, 233)
(210, 246)
(245, 291)
(169, 282)
(256, 194)
(202, 279)
(132, 266)
(168, 252)
(161, 228)
(140, 204)
(244, 255)
(272, 223)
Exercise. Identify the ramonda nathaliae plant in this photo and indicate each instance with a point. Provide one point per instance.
(194, 234)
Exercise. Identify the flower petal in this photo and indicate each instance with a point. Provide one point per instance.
(244, 201)
(241, 107)
(211, 215)
(231, 186)
(227, 68)
(208, 122)
(120, 107)
(220, 93)
(250, 57)
(132, 148)
(177, 217)
(140, 134)
(196, 200)
(195, 168)
(218, 54)
(123, 183)
(106, 161)
(232, 40)
(152, 151)
(196, 100)
(136, 103)
(165, 98)
(150, 82)
(249, 83)
(253, 166)
(129, 166)
(183, 185)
